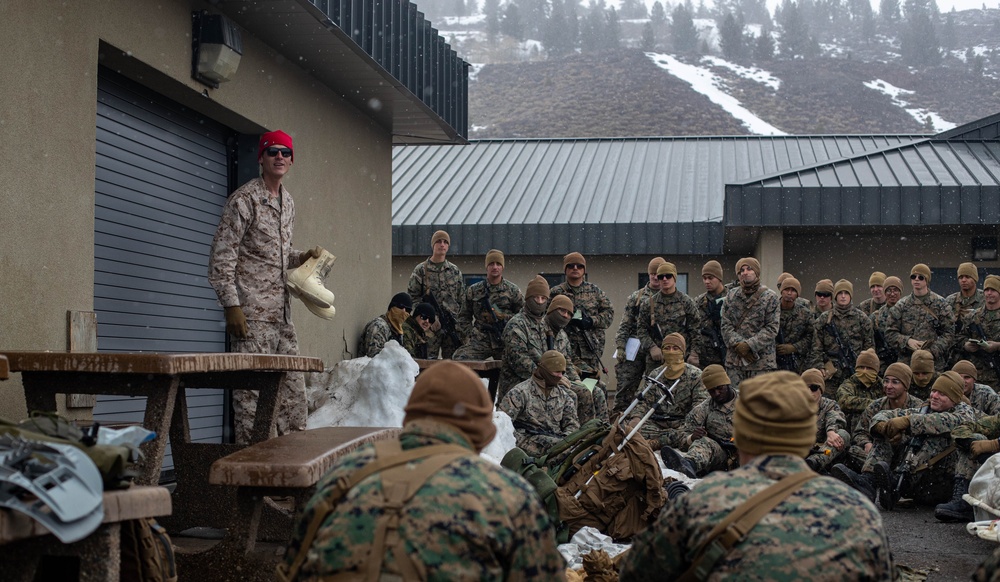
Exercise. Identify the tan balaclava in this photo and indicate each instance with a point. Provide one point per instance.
(869, 359)
(451, 393)
(551, 361)
(538, 287)
(674, 361)
(556, 319)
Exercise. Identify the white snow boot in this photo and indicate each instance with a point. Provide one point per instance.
(306, 282)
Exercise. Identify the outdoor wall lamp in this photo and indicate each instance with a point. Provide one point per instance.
(216, 48)
(984, 248)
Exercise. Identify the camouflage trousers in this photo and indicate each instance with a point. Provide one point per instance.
(628, 377)
(535, 445)
(590, 404)
(933, 484)
(855, 458)
(707, 455)
(822, 457)
(737, 375)
(440, 342)
(662, 433)
(271, 338)
(479, 346)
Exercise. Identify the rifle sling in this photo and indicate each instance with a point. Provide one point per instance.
(934, 460)
(740, 521)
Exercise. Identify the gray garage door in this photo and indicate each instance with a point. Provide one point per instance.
(162, 180)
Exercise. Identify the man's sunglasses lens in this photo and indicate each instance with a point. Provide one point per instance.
(574, 266)
(664, 277)
(285, 152)
(917, 277)
(824, 295)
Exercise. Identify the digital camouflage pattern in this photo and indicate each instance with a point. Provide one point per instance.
(797, 329)
(853, 398)
(666, 425)
(962, 308)
(928, 484)
(928, 318)
(472, 520)
(710, 320)
(868, 306)
(754, 319)
(550, 411)
(414, 338)
(886, 353)
(475, 323)
(663, 315)
(524, 342)
(984, 400)
(861, 433)
(828, 417)
(923, 392)
(443, 280)
(989, 322)
(845, 541)
(628, 374)
(590, 299)
(376, 334)
(855, 329)
(707, 453)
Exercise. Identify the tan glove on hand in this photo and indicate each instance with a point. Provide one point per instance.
(743, 349)
(984, 447)
(895, 426)
(313, 252)
(236, 322)
(880, 427)
(785, 349)
(656, 353)
(621, 354)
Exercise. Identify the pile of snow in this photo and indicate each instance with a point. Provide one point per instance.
(374, 391)
(585, 541)
(920, 114)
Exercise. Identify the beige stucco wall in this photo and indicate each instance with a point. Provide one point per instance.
(341, 180)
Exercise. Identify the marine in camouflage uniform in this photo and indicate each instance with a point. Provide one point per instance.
(751, 317)
(983, 324)
(666, 312)
(896, 385)
(441, 278)
(591, 403)
(415, 330)
(876, 284)
(586, 334)
(823, 298)
(628, 373)
(880, 323)
(796, 332)
(709, 345)
(981, 397)
(855, 331)
(832, 437)
(482, 326)
(709, 428)
(922, 320)
(666, 425)
(542, 409)
(471, 520)
(857, 392)
(250, 255)
(846, 540)
(386, 327)
(963, 302)
(924, 375)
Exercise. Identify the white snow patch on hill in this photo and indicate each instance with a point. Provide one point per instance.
(753, 73)
(920, 114)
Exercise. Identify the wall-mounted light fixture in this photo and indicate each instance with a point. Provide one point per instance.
(216, 48)
(984, 248)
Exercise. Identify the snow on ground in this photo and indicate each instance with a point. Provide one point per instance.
(752, 73)
(478, 18)
(374, 391)
(920, 114)
(709, 85)
(474, 70)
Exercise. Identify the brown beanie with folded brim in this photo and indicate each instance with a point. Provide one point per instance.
(653, 264)
(813, 377)
(750, 262)
(666, 268)
(966, 368)
(553, 361)
(969, 270)
(992, 282)
(893, 281)
(560, 302)
(674, 339)
(951, 385)
(843, 285)
(876, 278)
(451, 393)
(537, 287)
(440, 235)
(922, 361)
(869, 359)
(921, 269)
(713, 268)
(714, 376)
(775, 414)
(824, 286)
(574, 259)
(901, 372)
(494, 256)
(791, 283)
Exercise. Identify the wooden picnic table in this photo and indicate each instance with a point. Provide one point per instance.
(489, 369)
(163, 379)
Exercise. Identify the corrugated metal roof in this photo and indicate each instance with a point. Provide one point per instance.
(598, 196)
(926, 183)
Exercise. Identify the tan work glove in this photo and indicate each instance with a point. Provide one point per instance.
(880, 427)
(785, 349)
(313, 252)
(743, 349)
(895, 426)
(621, 354)
(984, 447)
(656, 353)
(236, 322)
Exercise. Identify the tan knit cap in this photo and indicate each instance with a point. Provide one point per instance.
(537, 287)
(574, 258)
(439, 235)
(452, 393)
(901, 372)
(782, 277)
(793, 283)
(553, 361)
(712, 268)
(967, 368)
(653, 264)
(675, 339)
(992, 282)
(922, 361)
(921, 269)
(775, 413)
(714, 376)
(893, 281)
(812, 377)
(868, 358)
(843, 285)
(666, 268)
(824, 286)
(951, 385)
(876, 278)
(750, 262)
(970, 270)
(560, 301)
(494, 256)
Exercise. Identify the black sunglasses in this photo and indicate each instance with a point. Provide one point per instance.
(824, 295)
(918, 277)
(815, 387)
(285, 152)
(666, 276)
(576, 266)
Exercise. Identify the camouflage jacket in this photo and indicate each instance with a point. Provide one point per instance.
(868, 306)
(559, 341)
(414, 338)
(251, 252)
(716, 419)
(627, 327)
(853, 397)
(923, 392)
(861, 433)
(551, 412)
(709, 327)
(666, 314)
(846, 539)
(935, 426)
(928, 318)
(753, 319)
(444, 280)
(797, 329)
(984, 400)
(887, 353)
(666, 423)
(375, 335)
(524, 342)
(590, 299)
(472, 520)
(830, 417)
(962, 307)
(855, 330)
(987, 364)
(505, 298)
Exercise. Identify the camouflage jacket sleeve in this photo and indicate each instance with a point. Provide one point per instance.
(627, 327)
(464, 319)
(692, 331)
(697, 417)
(985, 400)
(415, 286)
(605, 311)
(861, 433)
(830, 417)
(643, 326)
(758, 328)
(932, 423)
(512, 403)
(376, 334)
(236, 218)
(520, 352)
(801, 332)
(852, 396)
(570, 420)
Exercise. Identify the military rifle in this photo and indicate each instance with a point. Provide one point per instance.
(992, 358)
(885, 352)
(447, 319)
(592, 345)
(845, 355)
(905, 468)
(712, 331)
(496, 326)
(533, 430)
(787, 362)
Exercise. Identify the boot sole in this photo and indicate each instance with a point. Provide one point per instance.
(676, 462)
(885, 487)
(297, 289)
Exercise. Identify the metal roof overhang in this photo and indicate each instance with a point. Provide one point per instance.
(304, 35)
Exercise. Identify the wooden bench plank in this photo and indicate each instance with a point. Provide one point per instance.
(293, 460)
(4, 368)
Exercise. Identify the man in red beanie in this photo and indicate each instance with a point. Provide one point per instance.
(251, 254)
